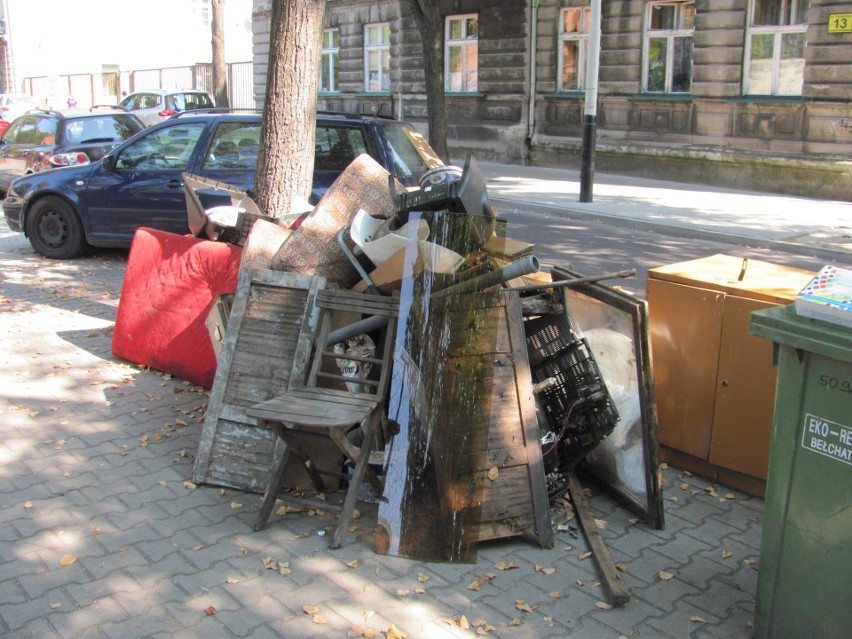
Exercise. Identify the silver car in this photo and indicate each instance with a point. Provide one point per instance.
(13, 105)
(156, 105)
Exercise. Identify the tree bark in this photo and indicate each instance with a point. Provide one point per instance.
(430, 24)
(220, 69)
(286, 155)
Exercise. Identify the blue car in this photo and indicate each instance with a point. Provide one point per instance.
(65, 211)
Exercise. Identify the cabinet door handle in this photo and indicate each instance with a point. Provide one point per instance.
(725, 383)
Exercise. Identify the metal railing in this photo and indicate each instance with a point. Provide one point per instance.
(89, 89)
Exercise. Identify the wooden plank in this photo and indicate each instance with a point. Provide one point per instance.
(263, 348)
(606, 566)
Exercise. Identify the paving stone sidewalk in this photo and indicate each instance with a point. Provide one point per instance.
(102, 536)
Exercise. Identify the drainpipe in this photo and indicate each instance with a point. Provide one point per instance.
(532, 83)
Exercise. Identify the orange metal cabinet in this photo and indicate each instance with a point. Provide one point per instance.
(715, 382)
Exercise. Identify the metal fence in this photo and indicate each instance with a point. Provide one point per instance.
(108, 87)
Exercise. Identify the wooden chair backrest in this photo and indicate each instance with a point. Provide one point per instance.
(328, 301)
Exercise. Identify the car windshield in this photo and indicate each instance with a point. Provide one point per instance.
(409, 151)
(104, 129)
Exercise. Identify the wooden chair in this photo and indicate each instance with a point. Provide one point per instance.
(311, 410)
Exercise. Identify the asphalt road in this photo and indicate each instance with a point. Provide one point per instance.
(591, 248)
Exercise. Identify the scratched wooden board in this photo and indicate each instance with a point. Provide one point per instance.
(261, 352)
(514, 499)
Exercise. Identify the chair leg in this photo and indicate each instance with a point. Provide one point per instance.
(361, 467)
(272, 486)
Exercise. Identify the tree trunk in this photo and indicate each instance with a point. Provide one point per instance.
(220, 69)
(286, 155)
(430, 24)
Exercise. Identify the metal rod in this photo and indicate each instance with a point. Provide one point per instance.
(518, 268)
(574, 282)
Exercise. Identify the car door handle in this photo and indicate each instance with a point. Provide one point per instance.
(174, 184)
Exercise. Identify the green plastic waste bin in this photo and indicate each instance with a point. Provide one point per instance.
(804, 586)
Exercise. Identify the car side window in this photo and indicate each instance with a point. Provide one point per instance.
(337, 146)
(25, 131)
(45, 132)
(234, 146)
(168, 149)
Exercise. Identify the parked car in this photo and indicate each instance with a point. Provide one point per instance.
(155, 105)
(140, 183)
(13, 105)
(44, 139)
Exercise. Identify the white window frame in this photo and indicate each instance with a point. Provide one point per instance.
(377, 76)
(330, 60)
(669, 35)
(468, 81)
(792, 25)
(581, 37)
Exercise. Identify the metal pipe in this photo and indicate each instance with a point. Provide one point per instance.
(574, 282)
(354, 260)
(518, 268)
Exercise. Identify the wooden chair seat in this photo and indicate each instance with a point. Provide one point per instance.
(308, 409)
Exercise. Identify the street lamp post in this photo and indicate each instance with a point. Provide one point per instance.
(587, 166)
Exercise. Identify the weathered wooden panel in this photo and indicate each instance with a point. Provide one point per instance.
(262, 350)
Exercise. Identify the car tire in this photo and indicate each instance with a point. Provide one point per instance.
(54, 229)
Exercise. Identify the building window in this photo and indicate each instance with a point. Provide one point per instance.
(668, 47)
(461, 54)
(775, 48)
(574, 26)
(377, 57)
(330, 65)
(201, 9)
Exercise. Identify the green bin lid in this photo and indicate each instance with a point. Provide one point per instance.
(784, 326)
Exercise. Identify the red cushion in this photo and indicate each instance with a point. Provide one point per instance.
(169, 287)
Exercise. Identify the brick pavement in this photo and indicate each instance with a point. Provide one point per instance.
(102, 537)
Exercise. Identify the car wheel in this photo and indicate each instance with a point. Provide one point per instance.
(54, 229)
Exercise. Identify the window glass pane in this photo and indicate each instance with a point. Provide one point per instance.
(760, 68)
(455, 29)
(168, 148)
(572, 22)
(657, 64)
(570, 65)
(662, 16)
(687, 16)
(454, 77)
(682, 64)
(767, 12)
(792, 69)
(472, 27)
(471, 79)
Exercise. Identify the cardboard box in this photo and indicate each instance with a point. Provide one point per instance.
(828, 297)
(388, 276)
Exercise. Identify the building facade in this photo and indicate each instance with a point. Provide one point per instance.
(746, 93)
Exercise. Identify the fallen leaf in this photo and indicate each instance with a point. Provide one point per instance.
(542, 569)
(210, 610)
(601, 524)
(584, 555)
(67, 560)
(523, 606)
(665, 576)
(284, 568)
(493, 473)
(463, 623)
(56, 606)
(554, 594)
(394, 633)
(726, 553)
(514, 622)
(419, 591)
(310, 610)
(749, 562)
(189, 485)
(475, 585)
(269, 563)
(236, 504)
(369, 632)
(231, 580)
(422, 578)
(199, 547)
(352, 564)
(697, 619)
(504, 565)
(319, 619)
(28, 504)
(403, 592)
(730, 496)
(603, 605)
(684, 486)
